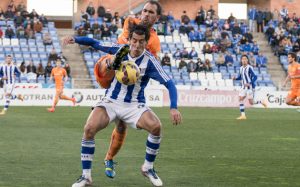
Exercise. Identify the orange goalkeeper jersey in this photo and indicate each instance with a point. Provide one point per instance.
(58, 75)
(294, 70)
(153, 44)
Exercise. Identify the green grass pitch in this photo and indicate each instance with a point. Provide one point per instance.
(210, 149)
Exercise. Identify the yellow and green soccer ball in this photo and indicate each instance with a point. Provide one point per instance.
(128, 73)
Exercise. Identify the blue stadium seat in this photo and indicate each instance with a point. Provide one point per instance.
(237, 83)
(179, 82)
(196, 83)
(187, 82)
(226, 76)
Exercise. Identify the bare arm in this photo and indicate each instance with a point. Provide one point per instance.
(288, 77)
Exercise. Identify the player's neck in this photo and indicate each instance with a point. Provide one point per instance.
(294, 62)
(136, 56)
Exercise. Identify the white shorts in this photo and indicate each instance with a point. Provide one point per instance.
(8, 88)
(247, 92)
(129, 113)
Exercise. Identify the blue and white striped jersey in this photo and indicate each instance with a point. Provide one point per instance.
(10, 72)
(150, 68)
(247, 75)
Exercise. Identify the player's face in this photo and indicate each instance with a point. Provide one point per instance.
(137, 45)
(8, 59)
(244, 61)
(149, 15)
(58, 63)
(290, 59)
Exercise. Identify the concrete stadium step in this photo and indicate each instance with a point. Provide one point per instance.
(274, 67)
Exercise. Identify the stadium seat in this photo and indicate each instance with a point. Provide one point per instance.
(196, 83)
(176, 38)
(204, 82)
(14, 42)
(201, 76)
(209, 76)
(187, 82)
(6, 42)
(212, 83)
(167, 69)
(168, 39)
(218, 76)
(193, 76)
(161, 38)
(187, 44)
(229, 82)
(195, 44)
(184, 38)
(179, 45)
(221, 83)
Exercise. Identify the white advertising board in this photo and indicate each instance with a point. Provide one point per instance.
(84, 97)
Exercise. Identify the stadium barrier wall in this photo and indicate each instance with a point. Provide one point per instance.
(34, 95)
(274, 99)
(204, 98)
(210, 98)
(84, 97)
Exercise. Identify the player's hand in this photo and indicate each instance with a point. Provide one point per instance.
(68, 40)
(122, 52)
(233, 78)
(247, 85)
(175, 116)
(4, 78)
(283, 84)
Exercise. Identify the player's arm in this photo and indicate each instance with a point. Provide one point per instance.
(120, 51)
(123, 38)
(288, 77)
(17, 72)
(239, 77)
(96, 45)
(91, 42)
(253, 77)
(156, 72)
(65, 75)
(2, 74)
(51, 75)
(128, 23)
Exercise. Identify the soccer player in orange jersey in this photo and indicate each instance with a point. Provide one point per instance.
(60, 76)
(146, 19)
(293, 97)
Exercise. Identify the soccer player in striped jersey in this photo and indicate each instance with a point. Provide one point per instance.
(149, 15)
(127, 103)
(8, 73)
(248, 78)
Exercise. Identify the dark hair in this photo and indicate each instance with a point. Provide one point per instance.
(245, 56)
(293, 55)
(158, 6)
(140, 29)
